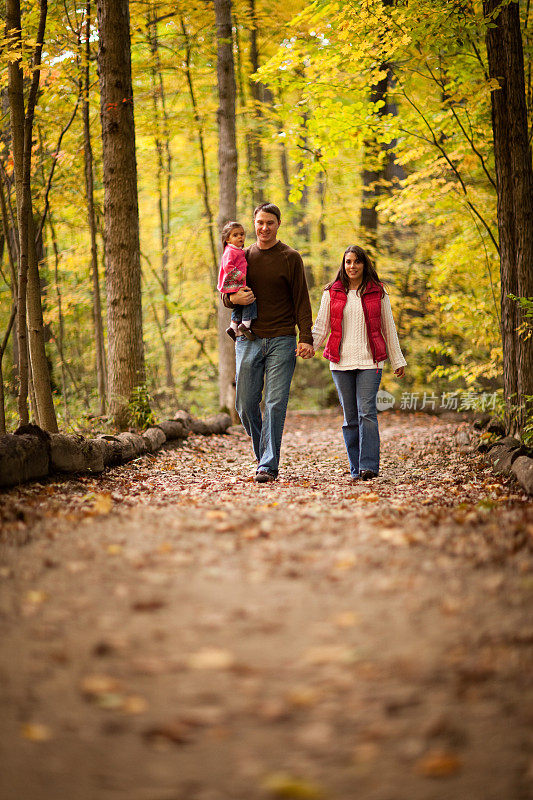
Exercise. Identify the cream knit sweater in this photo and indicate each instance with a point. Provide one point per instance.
(355, 350)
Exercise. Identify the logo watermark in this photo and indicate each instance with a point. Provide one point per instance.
(447, 401)
(385, 400)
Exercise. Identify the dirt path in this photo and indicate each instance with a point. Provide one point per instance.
(172, 631)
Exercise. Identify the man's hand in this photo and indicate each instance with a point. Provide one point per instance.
(305, 350)
(400, 372)
(243, 297)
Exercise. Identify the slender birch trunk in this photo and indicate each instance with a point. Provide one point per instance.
(101, 372)
(164, 170)
(227, 174)
(29, 310)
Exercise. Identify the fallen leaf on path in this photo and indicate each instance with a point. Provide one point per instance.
(346, 619)
(286, 786)
(36, 732)
(35, 597)
(329, 654)
(303, 696)
(394, 536)
(346, 561)
(134, 704)
(438, 764)
(153, 604)
(102, 504)
(93, 685)
(211, 658)
(173, 731)
(371, 497)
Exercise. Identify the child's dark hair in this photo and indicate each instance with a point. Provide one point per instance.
(227, 229)
(369, 271)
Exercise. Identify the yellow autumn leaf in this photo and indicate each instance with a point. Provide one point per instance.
(438, 764)
(284, 785)
(102, 503)
(211, 658)
(36, 597)
(36, 732)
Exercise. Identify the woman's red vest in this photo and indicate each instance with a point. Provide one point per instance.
(371, 301)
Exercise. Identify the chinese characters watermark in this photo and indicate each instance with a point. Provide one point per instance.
(448, 401)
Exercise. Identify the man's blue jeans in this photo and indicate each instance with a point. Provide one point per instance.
(357, 389)
(269, 363)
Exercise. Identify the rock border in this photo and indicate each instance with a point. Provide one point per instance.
(31, 453)
(508, 456)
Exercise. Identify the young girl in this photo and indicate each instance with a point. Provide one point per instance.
(356, 312)
(232, 277)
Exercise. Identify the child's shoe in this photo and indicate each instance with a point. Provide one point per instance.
(244, 330)
(231, 333)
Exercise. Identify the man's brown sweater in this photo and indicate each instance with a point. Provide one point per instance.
(277, 278)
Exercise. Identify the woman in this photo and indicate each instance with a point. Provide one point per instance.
(356, 312)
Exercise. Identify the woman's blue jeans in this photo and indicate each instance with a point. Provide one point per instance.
(267, 363)
(357, 389)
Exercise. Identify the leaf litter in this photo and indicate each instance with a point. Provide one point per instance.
(320, 631)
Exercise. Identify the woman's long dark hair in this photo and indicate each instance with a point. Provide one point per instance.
(369, 271)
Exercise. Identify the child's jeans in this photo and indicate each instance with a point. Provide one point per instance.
(244, 313)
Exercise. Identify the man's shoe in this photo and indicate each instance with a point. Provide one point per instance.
(231, 333)
(264, 476)
(244, 330)
(367, 475)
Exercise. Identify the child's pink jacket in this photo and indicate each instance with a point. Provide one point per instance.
(232, 275)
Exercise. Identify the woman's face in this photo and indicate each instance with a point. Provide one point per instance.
(354, 267)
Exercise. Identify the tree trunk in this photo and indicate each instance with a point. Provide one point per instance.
(200, 133)
(164, 168)
(257, 90)
(36, 336)
(61, 326)
(2, 351)
(16, 109)
(373, 172)
(227, 174)
(522, 176)
(121, 210)
(514, 181)
(89, 193)
(29, 289)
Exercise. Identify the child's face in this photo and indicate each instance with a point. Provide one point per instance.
(236, 237)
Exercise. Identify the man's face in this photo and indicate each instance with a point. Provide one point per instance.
(266, 228)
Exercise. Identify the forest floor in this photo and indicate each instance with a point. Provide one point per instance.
(171, 630)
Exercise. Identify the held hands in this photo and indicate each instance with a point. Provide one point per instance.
(305, 350)
(400, 372)
(243, 297)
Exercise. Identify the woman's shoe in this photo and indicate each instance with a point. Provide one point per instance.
(367, 475)
(244, 330)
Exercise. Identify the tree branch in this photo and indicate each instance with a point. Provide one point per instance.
(452, 166)
(51, 175)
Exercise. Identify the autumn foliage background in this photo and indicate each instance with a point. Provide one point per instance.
(308, 126)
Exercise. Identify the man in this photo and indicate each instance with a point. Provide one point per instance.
(276, 280)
